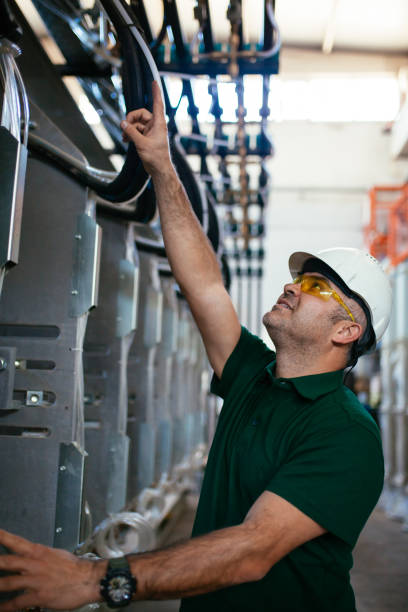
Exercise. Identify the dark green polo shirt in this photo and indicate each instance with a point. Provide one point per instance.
(310, 441)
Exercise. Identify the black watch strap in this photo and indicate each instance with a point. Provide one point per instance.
(119, 563)
(118, 585)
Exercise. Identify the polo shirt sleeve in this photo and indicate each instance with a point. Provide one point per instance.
(247, 360)
(335, 477)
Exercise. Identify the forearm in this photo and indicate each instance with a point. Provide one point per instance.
(207, 563)
(188, 249)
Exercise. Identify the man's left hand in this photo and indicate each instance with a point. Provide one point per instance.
(47, 577)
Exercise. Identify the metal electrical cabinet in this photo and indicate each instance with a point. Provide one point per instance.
(43, 313)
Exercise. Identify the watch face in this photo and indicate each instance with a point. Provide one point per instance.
(119, 588)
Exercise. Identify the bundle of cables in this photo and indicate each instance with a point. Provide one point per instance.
(138, 71)
(14, 121)
(120, 534)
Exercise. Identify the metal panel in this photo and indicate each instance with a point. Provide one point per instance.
(142, 377)
(69, 497)
(29, 473)
(108, 338)
(84, 293)
(181, 383)
(164, 368)
(127, 298)
(47, 406)
(7, 360)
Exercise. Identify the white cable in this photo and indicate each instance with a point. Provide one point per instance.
(13, 110)
(123, 533)
(15, 105)
(10, 116)
(125, 203)
(102, 175)
(274, 23)
(5, 107)
(151, 504)
(16, 99)
(141, 42)
(24, 102)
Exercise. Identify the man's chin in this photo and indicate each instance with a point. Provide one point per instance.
(269, 319)
(275, 320)
(272, 314)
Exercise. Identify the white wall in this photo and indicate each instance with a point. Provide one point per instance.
(320, 175)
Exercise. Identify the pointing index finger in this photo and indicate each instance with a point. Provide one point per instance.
(158, 107)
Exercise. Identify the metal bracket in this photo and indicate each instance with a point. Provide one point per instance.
(69, 497)
(126, 320)
(169, 330)
(7, 369)
(85, 282)
(153, 317)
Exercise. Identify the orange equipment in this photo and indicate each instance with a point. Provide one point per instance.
(386, 234)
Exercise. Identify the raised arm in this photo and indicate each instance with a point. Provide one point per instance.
(190, 254)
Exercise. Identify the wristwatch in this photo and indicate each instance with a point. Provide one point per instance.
(118, 585)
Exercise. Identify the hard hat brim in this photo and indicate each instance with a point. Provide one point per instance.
(297, 260)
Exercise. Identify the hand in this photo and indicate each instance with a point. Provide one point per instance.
(48, 577)
(148, 131)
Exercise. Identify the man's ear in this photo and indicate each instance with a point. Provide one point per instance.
(346, 332)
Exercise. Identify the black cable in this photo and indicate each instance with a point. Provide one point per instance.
(136, 81)
(9, 27)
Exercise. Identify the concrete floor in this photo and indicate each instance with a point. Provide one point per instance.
(379, 576)
(380, 573)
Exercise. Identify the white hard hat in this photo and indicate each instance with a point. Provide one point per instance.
(361, 275)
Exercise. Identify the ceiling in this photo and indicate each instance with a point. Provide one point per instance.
(372, 25)
(361, 25)
(332, 26)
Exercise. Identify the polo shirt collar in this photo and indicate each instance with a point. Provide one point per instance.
(310, 387)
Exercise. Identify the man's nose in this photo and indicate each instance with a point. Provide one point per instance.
(292, 288)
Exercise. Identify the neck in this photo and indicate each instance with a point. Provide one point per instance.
(291, 364)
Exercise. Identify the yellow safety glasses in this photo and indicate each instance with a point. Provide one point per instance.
(313, 285)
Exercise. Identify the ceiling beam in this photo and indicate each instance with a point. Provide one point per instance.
(350, 50)
(330, 33)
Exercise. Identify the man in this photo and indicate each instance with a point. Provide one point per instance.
(296, 464)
